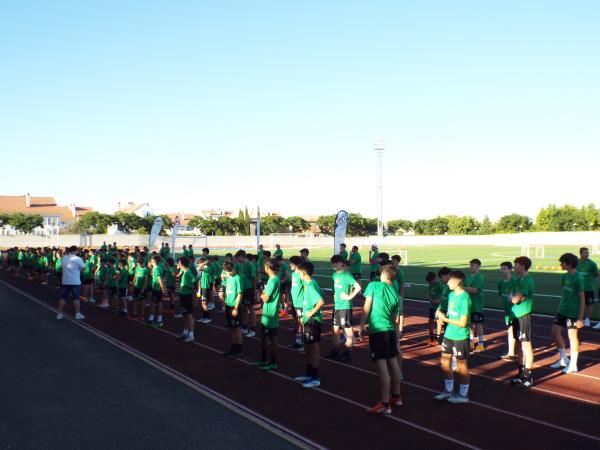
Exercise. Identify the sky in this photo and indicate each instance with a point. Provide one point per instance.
(484, 107)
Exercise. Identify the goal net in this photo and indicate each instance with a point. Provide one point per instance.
(197, 242)
(533, 251)
(595, 249)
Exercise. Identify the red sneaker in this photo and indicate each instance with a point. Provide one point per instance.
(380, 408)
(395, 401)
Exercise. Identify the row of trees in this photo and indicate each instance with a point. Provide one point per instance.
(24, 223)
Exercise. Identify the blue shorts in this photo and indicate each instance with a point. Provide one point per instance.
(72, 290)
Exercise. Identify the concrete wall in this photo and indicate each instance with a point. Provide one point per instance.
(248, 242)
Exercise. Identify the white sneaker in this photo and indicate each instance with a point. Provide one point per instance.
(245, 331)
(311, 383)
(569, 369)
(92, 300)
(597, 326)
(443, 395)
(302, 379)
(586, 322)
(189, 338)
(44, 283)
(251, 333)
(457, 398)
(178, 316)
(211, 306)
(559, 364)
(79, 316)
(59, 316)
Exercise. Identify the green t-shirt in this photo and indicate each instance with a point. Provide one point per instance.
(444, 297)
(170, 276)
(101, 274)
(524, 286)
(342, 282)
(355, 261)
(572, 285)
(385, 306)
(88, 270)
(277, 253)
(58, 265)
(344, 254)
(312, 295)
(245, 270)
(205, 277)
(589, 270)
(270, 310)
(232, 290)
(123, 279)
(375, 267)
(284, 272)
(157, 274)
(140, 275)
(506, 290)
(435, 294)
(400, 278)
(112, 271)
(476, 281)
(297, 289)
(188, 279)
(458, 306)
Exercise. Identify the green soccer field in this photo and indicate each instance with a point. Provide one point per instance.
(545, 271)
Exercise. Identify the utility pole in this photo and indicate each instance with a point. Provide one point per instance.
(379, 148)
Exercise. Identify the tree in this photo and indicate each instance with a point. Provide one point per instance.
(146, 224)
(513, 223)
(297, 223)
(437, 226)
(93, 222)
(590, 216)
(273, 224)
(361, 226)
(25, 223)
(127, 222)
(326, 224)
(462, 225)
(563, 218)
(399, 226)
(207, 227)
(420, 226)
(4, 219)
(487, 227)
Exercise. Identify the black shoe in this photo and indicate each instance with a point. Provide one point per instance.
(333, 353)
(526, 383)
(345, 357)
(508, 357)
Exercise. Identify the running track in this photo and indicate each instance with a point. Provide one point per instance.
(562, 411)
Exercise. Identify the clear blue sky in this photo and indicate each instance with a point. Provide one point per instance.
(192, 105)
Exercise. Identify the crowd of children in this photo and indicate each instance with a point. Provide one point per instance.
(145, 285)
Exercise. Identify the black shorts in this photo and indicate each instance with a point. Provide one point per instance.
(357, 276)
(138, 294)
(122, 292)
(567, 322)
(477, 317)
(130, 278)
(248, 296)
(99, 286)
(232, 322)
(171, 290)
(460, 349)
(268, 331)
(383, 345)
(521, 328)
(432, 312)
(342, 318)
(157, 296)
(222, 289)
(312, 331)
(285, 287)
(187, 303)
(113, 290)
(217, 282)
(87, 281)
(260, 285)
(589, 297)
(204, 294)
(372, 276)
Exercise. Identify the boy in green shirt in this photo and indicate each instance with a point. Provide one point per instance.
(570, 313)
(243, 268)
(101, 277)
(382, 309)
(270, 318)
(204, 269)
(186, 293)
(278, 252)
(297, 294)
(355, 261)
(589, 270)
(456, 340)
(233, 299)
(111, 283)
(284, 278)
(443, 275)
(435, 291)
(345, 289)
(474, 287)
(375, 261)
(520, 312)
(123, 282)
(140, 281)
(506, 289)
(312, 306)
(343, 252)
(158, 287)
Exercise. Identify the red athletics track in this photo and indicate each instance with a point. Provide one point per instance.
(561, 412)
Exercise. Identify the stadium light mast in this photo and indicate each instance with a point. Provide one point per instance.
(379, 148)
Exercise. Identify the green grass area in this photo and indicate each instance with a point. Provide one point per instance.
(545, 271)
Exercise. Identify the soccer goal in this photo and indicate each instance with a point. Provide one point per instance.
(535, 251)
(198, 242)
(403, 253)
(595, 249)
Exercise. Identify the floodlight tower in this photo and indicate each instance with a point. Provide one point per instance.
(379, 148)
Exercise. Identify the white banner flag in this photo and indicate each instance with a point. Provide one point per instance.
(257, 227)
(339, 231)
(176, 225)
(158, 223)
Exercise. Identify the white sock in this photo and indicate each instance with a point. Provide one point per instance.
(159, 318)
(574, 356)
(191, 334)
(449, 385)
(563, 354)
(151, 318)
(464, 390)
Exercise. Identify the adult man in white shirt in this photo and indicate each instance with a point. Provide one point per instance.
(71, 265)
